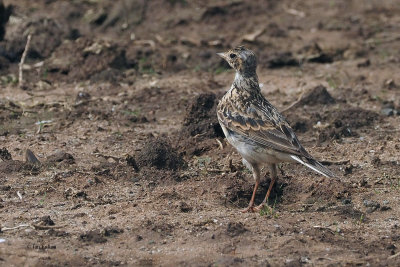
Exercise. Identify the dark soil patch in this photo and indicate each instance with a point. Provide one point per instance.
(159, 153)
(60, 157)
(200, 126)
(354, 117)
(285, 59)
(47, 35)
(201, 118)
(335, 123)
(184, 207)
(4, 154)
(345, 122)
(318, 95)
(113, 170)
(46, 220)
(235, 229)
(298, 123)
(328, 189)
(93, 236)
(155, 177)
(238, 190)
(349, 212)
(16, 166)
(112, 231)
(91, 58)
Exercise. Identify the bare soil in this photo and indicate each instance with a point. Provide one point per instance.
(119, 104)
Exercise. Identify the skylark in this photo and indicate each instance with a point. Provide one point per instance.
(255, 128)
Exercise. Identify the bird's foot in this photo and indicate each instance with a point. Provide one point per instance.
(260, 207)
(250, 208)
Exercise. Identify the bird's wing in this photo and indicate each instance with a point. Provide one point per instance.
(259, 121)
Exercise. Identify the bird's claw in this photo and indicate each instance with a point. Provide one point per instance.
(259, 207)
(248, 209)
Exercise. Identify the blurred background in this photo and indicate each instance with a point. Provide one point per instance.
(101, 39)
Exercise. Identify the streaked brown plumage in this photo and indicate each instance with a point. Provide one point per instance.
(255, 128)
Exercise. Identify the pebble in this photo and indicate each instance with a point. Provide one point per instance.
(371, 203)
(346, 201)
(305, 259)
(388, 111)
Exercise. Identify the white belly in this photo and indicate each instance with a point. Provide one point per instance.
(253, 153)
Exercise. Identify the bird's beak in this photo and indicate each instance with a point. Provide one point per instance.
(223, 55)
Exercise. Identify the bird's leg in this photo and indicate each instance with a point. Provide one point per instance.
(256, 175)
(271, 184)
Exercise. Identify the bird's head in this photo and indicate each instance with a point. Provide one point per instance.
(241, 59)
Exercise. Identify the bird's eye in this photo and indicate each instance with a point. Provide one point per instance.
(232, 55)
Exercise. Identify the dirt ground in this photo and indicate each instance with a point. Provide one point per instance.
(129, 164)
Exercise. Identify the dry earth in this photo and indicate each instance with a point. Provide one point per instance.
(118, 105)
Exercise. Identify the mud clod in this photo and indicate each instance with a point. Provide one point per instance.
(4, 154)
(201, 118)
(60, 157)
(235, 229)
(112, 231)
(14, 166)
(30, 157)
(184, 207)
(159, 153)
(280, 60)
(318, 95)
(130, 160)
(46, 220)
(93, 236)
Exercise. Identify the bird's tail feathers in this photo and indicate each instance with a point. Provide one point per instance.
(314, 165)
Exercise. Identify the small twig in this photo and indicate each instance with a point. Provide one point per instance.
(16, 227)
(221, 146)
(295, 12)
(46, 227)
(19, 195)
(21, 63)
(294, 103)
(394, 256)
(199, 135)
(323, 228)
(108, 157)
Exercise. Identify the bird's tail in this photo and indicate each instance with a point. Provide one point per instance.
(314, 165)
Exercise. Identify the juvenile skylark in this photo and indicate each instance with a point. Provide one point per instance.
(255, 128)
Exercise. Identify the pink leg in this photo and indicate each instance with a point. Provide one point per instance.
(273, 179)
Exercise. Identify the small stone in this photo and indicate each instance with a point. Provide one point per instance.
(385, 208)
(371, 203)
(4, 154)
(390, 84)
(346, 201)
(184, 207)
(46, 220)
(348, 169)
(235, 229)
(388, 111)
(30, 157)
(305, 259)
